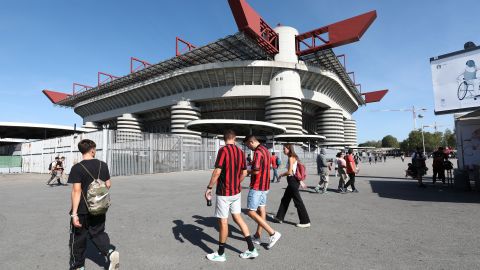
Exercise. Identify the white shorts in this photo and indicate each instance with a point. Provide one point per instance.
(226, 204)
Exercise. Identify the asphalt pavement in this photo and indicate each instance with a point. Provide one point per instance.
(161, 221)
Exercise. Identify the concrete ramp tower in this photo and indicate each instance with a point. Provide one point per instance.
(284, 106)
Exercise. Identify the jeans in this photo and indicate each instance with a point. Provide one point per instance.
(291, 192)
(351, 181)
(275, 174)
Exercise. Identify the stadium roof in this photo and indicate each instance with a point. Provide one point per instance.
(241, 127)
(17, 130)
(235, 47)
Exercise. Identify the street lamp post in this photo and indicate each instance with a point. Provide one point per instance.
(423, 138)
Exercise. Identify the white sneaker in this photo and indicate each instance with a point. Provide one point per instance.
(114, 259)
(273, 239)
(249, 254)
(300, 225)
(214, 257)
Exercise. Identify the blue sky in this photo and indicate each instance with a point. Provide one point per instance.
(51, 44)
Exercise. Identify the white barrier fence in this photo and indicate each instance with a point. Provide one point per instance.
(36, 156)
(143, 153)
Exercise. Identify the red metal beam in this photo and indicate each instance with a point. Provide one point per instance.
(143, 64)
(188, 46)
(250, 22)
(339, 33)
(374, 96)
(109, 78)
(81, 88)
(54, 96)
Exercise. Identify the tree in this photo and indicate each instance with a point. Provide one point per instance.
(390, 141)
(449, 139)
(372, 143)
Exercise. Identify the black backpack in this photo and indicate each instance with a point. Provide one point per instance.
(50, 166)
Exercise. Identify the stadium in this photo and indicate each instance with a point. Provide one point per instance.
(275, 75)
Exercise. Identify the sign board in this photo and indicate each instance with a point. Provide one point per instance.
(468, 142)
(456, 81)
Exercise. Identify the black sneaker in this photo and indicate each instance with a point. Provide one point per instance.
(275, 219)
(355, 191)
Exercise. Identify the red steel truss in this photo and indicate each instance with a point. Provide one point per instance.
(142, 64)
(76, 88)
(334, 35)
(107, 78)
(250, 22)
(374, 96)
(54, 96)
(187, 46)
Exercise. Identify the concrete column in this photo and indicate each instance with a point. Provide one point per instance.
(284, 106)
(350, 129)
(90, 126)
(182, 113)
(330, 124)
(129, 128)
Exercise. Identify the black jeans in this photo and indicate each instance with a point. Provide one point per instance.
(93, 226)
(440, 173)
(291, 192)
(351, 181)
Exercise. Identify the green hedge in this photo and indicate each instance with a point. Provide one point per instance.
(10, 161)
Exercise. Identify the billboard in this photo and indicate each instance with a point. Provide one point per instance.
(456, 81)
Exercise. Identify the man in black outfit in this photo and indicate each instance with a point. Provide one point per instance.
(82, 223)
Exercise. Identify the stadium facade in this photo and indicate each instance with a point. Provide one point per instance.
(259, 73)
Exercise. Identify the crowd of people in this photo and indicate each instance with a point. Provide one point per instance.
(91, 182)
(417, 169)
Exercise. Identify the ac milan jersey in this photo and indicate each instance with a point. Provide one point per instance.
(261, 163)
(231, 160)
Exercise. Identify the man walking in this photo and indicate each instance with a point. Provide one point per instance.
(439, 159)
(418, 161)
(259, 186)
(323, 168)
(52, 169)
(351, 169)
(275, 162)
(230, 170)
(83, 224)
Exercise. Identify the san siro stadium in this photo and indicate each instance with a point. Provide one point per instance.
(260, 73)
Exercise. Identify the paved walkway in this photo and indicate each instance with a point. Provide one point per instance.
(162, 222)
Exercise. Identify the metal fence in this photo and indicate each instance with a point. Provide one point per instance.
(133, 154)
(157, 153)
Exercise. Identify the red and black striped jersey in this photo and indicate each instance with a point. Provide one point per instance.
(231, 160)
(261, 163)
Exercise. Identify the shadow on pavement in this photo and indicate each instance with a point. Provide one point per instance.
(408, 190)
(195, 235)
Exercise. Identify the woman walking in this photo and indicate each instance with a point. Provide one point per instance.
(291, 192)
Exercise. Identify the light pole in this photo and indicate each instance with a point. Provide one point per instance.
(413, 110)
(423, 138)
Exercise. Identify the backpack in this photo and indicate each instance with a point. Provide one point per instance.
(418, 161)
(50, 166)
(278, 161)
(98, 196)
(301, 172)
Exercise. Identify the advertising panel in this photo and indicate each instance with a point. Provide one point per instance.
(456, 81)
